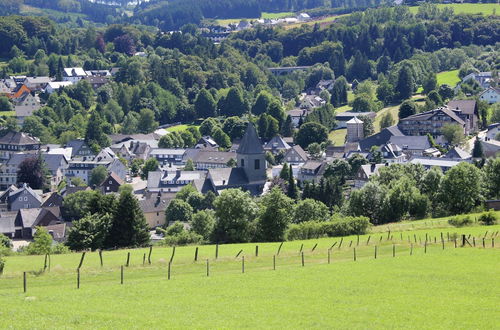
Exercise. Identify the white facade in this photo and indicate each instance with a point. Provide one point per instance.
(491, 95)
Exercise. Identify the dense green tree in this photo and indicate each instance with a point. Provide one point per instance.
(203, 223)
(262, 103)
(477, 151)
(208, 125)
(95, 132)
(406, 83)
(33, 171)
(453, 133)
(386, 121)
(128, 225)
(430, 83)
(339, 92)
(178, 210)
(292, 191)
(76, 205)
(368, 126)
(221, 138)
(5, 104)
(205, 105)
(492, 178)
(146, 123)
(233, 104)
(407, 108)
(97, 175)
(42, 242)
(310, 210)
(460, 189)
(368, 201)
(311, 132)
(276, 214)
(89, 232)
(149, 166)
(234, 211)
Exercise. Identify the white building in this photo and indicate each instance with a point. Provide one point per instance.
(26, 105)
(55, 85)
(74, 74)
(491, 95)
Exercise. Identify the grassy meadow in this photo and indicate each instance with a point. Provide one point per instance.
(467, 8)
(431, 288)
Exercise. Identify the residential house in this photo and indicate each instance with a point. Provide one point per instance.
(27, 219)
(82, 166)
(429, 162)
(411, 145)
(206, 142)
(379, 139)
(303, 17)
(467, 111)
(491, 148)
(7, 224)
(96, 81)
(323, 85)
(19, 91)
(490, 95)
(205, 159)
(493, 131)
(343, 117)
(458, 153)
(166, 156)
(98, 73)
(295, 156)
(4, 198)
(24, 198)
(74, 74)
(276, 145)
(298, 115)
(484, 79)
(312, 171)
(4, 89)
(132, 150)
(13, 142)
(364, 173)
(250, 174)
(111, 184)
(311, 102)
(54, 86)
(172, 181)
(79, 148)
(37, 83)
(392, 153)
(154, 207)
(26, 105)
(431, 122)
(52, 199)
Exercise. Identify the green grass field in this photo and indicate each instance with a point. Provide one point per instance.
(467, 8)
(448, 77)
(263, 16)
(432, 288)
(179, 128)
(338, 136)
(7, 113)
(277, 15)
(393, 110)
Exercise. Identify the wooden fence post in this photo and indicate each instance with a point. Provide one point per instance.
(302, 259)
(350, 243)
(354, 254)
(474, 241)
(45, 262)
(279, 249)
(196, 254)
(24, 282)
(144, 259)
(274, 262)
(484, 245)
(448, 235)
(256, 250)
(81, 260)
(217, 251)
(314, 247)
(493, 242)
(239, 254)
(455, 240)
(243, 264)
(208, 268)
(357, 242)
(168, 275)
(173, 254)
(463, 240)
(425, 247)
(393, 250)
(100, 257)
(411, 249)
(301, 247)
(149, 255)
(442, 243)
(329, 255)
(341, 240)
(415, 237)
(121, 274)
(375, 255)
(78, 278)
(368, 240)
(380, 240)
(128, 259)
(331, 247)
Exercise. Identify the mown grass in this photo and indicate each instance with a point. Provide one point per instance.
(338, 136)
(450, 78)
(467, 8)
(7, 113)
(179, 128)
(450, 288)
(393, 110)
(277, 15)
(263, 16)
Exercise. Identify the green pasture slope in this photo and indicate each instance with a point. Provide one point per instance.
(431, 288)
(467, 8)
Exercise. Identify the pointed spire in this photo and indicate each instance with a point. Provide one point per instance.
(250, 143)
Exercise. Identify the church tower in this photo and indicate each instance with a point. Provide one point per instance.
(354, 130)
(251, 156)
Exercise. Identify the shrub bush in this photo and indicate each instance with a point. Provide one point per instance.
(2, 265)
(335, 227)
(183, 238)
(461, 222)
(59, 249)
(488, 218)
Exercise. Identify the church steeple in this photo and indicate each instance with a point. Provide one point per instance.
(250, 155)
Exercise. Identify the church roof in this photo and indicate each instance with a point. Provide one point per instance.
(250, 143)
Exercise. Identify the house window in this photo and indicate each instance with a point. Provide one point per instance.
(20, 199)
(257, 164)
(242, 163)
(25, 199)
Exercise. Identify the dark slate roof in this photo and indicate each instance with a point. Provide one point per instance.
(54, 199)
(7, 222)
(29, 218)
(466, 106)
(228, 176)
(18, 138)
(411, 142)
(71, 190)
(298, 149)
(156, 203)
(429, 114)
(76, 145)
(204, 185)
(250, 143)
(58, 231)
(114, 177)
(53, 161)
(277, 143)
(4, 196)
(380, 138)
(214, 157)
(458, 153)
(19, 191)
(117, 138)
